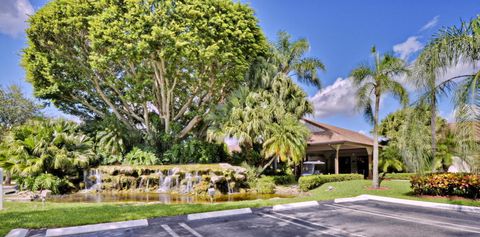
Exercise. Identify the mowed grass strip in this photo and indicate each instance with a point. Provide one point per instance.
(51, 215)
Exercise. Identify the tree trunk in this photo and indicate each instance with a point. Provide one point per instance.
(433, 127)
(265, 166)
(375, 181)
(8, 178)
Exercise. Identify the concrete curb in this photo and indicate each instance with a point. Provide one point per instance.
(17, 233)
(295, 205)
(94, 228)
(444, 206)
(213, 214)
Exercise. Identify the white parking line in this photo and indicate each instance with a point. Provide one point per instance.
(170, 231)
(414, 220)
(185, 226)
(298, 224)
(320, 225)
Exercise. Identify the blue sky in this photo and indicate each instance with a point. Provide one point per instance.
(340, 32)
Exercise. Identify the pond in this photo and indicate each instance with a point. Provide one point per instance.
(157, 197)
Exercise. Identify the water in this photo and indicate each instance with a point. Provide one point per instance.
(98, 180)
(154, 197)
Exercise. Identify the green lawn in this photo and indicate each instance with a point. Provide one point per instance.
(34, 215)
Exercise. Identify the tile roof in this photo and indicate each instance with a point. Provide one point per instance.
(328, 134)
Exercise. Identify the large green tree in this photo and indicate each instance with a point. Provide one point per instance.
(450, 47)
(373, 82)
(158, 66)
(15, 108)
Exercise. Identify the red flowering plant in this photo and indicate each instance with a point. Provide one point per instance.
(447, 184)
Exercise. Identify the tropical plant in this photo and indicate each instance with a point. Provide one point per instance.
(452, 46)
(286, 59)
(287, 141)
(45, 182)
(195, 151)
(54, 147)
(138, 156)
(408, 139)
(373, 81)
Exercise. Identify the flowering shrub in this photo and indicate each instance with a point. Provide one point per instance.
(447, 184)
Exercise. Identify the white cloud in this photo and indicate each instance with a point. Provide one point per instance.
(462, 68)
(362, 132)
(338, 98)
(13, 16)
(433, 22)
(405, 49)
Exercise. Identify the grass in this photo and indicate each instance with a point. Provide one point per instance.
(35, 215)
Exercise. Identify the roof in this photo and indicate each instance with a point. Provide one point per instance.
(328, 134)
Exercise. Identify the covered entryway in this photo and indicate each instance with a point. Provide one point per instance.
(341, 150)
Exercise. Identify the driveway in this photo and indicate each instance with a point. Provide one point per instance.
(362, 218)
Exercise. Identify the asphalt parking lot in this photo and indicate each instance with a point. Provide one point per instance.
(363, 218)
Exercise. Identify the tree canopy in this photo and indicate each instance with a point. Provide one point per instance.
(158, 66)
(16, 109)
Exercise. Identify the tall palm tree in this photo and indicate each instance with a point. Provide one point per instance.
(373, 81)
(287, 141)
(287, 59)
(450, 47)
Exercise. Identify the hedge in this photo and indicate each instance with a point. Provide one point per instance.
(312, 181)
(447, 184)
(284, 179)
(400, 176)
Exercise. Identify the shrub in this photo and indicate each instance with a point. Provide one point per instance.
(284, 179)
(265, 185)
(447, 184)
(195, 151)
(312, 181)
(45, 182)
(400, 176)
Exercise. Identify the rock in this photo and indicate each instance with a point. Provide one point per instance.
(215, 179)
(239, 177)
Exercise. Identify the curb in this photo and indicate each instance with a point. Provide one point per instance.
(17, 233)
(296, 205)
(453, 207)
(214, 214)
(96, 227)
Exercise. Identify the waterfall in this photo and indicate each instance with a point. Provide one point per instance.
(230, 189)
(165, 187)
(140, 185)
(98, 179)
(189, 181)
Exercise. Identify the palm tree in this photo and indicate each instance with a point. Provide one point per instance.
(47, 146)
(286, 59)
(287, 141)
(373, 81)
(450, 47)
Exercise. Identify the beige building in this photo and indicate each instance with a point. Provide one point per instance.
(334, 150)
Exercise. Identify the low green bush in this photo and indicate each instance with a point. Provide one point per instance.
(399, 176)
(447, 184)
(284, 179)
(312, 181)
(265, 185)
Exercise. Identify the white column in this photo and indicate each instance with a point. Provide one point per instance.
(1, 188)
